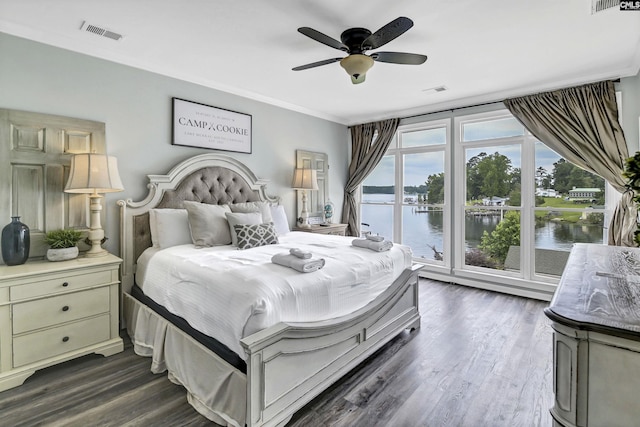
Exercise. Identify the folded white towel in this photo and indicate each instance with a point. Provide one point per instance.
(308, 265)
(300, 253)
(375, 237)
(385, 245)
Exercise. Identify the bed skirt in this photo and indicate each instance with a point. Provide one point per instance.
(215, 389)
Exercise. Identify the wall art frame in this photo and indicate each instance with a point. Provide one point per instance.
(204, 126)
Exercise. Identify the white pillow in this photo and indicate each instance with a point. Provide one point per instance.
(208, 224)
(262, 207)
(169, 227)
(240, 218)
(280, 219)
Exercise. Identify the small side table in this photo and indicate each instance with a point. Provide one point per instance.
(335, 229)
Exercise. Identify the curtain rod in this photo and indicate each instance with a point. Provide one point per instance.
(442, 111)
(466, 106)
(450, 109)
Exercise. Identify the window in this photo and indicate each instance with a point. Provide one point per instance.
(486, 200)
(569, 208)
(492, 204)
(378, 198)
(423, 202)
(414, 215)
(520, 205)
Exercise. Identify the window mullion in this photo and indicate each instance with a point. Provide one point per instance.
(399, 193)
(527, 223)
(458, 196)
(448, 244)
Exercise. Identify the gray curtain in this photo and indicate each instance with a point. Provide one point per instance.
(365, 156)
(581, 124)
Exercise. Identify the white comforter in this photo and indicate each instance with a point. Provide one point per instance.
(229, 294)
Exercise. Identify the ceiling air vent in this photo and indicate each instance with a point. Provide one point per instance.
(600, 5)
(100, 31)
(434, 89)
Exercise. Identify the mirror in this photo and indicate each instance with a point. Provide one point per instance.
(315, 199)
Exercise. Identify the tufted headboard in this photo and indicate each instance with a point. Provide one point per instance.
(208, 178)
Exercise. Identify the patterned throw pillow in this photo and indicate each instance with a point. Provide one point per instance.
(252, 236)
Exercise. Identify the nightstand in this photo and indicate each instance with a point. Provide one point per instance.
(335, 229)
(51, 312)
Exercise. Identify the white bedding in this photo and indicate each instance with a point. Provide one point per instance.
(229, 294)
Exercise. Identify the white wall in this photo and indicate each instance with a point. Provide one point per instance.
(630, 88)
(136, 107)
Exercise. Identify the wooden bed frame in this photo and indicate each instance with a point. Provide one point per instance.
(288, 364)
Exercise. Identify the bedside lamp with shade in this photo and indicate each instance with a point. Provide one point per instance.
(305, 179)
(93, 173)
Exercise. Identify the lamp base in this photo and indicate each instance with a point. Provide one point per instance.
(304, 215)
(94, 254)
(96, 233)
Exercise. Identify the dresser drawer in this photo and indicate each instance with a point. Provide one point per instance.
(52, 342)
(45, 312)
(59, 283)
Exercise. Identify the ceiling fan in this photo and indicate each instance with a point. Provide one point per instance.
(356, 41)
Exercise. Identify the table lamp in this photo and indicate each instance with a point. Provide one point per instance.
(305, 179)
(94, 173)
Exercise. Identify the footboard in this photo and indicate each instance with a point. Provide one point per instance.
(291, 363)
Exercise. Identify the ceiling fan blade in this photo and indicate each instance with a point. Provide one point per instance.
(384, 35)
(316, 64)
(399, 58)
(323, 38)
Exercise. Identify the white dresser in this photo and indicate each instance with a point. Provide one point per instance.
(596, 349)
(51, 312)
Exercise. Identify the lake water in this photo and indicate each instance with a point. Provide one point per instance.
(424, 230)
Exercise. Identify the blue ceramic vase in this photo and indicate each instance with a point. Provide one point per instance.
(15, 242)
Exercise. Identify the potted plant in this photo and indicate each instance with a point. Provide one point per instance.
(632, 173)
(62, 244)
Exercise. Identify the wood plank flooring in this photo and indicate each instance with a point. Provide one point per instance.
(480, 359)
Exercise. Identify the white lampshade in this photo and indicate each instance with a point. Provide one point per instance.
(305, 179)
(93, 173)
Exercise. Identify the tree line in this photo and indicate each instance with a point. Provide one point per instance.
(492, 175)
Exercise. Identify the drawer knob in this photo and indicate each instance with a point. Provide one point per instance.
(65, 339)
(65, 284)
(65, 308)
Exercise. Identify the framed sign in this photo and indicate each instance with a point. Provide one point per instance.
(200, 125)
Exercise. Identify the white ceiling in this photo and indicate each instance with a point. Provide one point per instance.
(482, 51)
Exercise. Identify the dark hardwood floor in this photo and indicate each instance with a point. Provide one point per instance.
(480, 359)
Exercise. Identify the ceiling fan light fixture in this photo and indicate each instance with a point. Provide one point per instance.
(356, 41)
(357, 65)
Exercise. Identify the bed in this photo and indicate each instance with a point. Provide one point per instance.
(261, 372)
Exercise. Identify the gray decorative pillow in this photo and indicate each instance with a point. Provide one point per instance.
(249, 218)
(262, 207)
(252, 236)
(209, 226)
